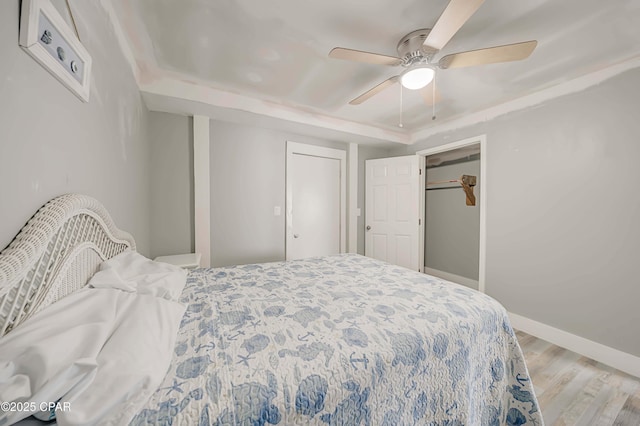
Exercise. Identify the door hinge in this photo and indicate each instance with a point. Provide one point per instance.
(420, 171)
(419, 222)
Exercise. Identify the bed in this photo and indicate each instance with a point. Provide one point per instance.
(337, 340)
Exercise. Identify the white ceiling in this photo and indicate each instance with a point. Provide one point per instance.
(275, 53)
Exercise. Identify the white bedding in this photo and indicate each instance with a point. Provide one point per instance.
(132, 272)
(102, 350)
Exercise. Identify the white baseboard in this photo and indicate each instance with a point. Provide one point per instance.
(617, 359)
(452, 277)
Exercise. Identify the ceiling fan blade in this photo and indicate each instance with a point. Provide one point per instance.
(374, 91)
(360, 56)
(490, 55)
(428, 95)
(454, 16)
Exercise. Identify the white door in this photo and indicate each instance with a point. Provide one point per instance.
(315, 204)
(393, 224)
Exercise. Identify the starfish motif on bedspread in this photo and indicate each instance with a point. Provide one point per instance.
(175, 387)
(244, 359)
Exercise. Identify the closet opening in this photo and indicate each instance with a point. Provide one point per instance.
(454, 206)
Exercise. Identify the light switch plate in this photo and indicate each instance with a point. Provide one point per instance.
(277, 211)
(45, 35)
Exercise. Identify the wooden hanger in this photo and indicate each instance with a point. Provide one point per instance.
(468, 182)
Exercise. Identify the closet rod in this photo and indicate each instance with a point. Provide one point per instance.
(438, 182)
(443, 187)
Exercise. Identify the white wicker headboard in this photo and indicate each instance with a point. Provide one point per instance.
(54, 254)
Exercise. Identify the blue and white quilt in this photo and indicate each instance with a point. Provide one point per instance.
(340, 340)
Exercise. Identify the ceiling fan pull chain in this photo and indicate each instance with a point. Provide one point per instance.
(400, 124)
(433, 98)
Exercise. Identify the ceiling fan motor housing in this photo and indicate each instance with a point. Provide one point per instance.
(411, 48)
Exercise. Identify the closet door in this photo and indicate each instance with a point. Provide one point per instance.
(393, 224)
(315, 204)
(316, 201)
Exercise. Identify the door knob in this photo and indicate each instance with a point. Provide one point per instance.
(296, 235)
(368, 227)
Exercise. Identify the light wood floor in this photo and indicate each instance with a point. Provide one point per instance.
(574, 390)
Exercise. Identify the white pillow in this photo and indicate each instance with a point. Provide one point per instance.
(130, 271)
(104, 351)
(55, 350)
(131, 364)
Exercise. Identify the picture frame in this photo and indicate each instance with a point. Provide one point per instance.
(46, 36)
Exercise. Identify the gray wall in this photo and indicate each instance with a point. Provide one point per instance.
(51, 143)
(452, 231)
(563, 235)
(247, 182)
(172, 224)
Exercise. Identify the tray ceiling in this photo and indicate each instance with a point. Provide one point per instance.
(276, 53)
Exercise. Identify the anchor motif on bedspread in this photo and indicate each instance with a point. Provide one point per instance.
(407, 393)
(364, 360)
(306, 336)
(451, 408)
(521, 380)
(464, 326)
(235, 336)
(207, 346)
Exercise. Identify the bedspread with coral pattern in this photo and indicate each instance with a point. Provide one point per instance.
(340, 340)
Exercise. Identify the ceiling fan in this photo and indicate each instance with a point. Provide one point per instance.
(417, 49)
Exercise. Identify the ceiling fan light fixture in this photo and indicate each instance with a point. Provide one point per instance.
(417, 78)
